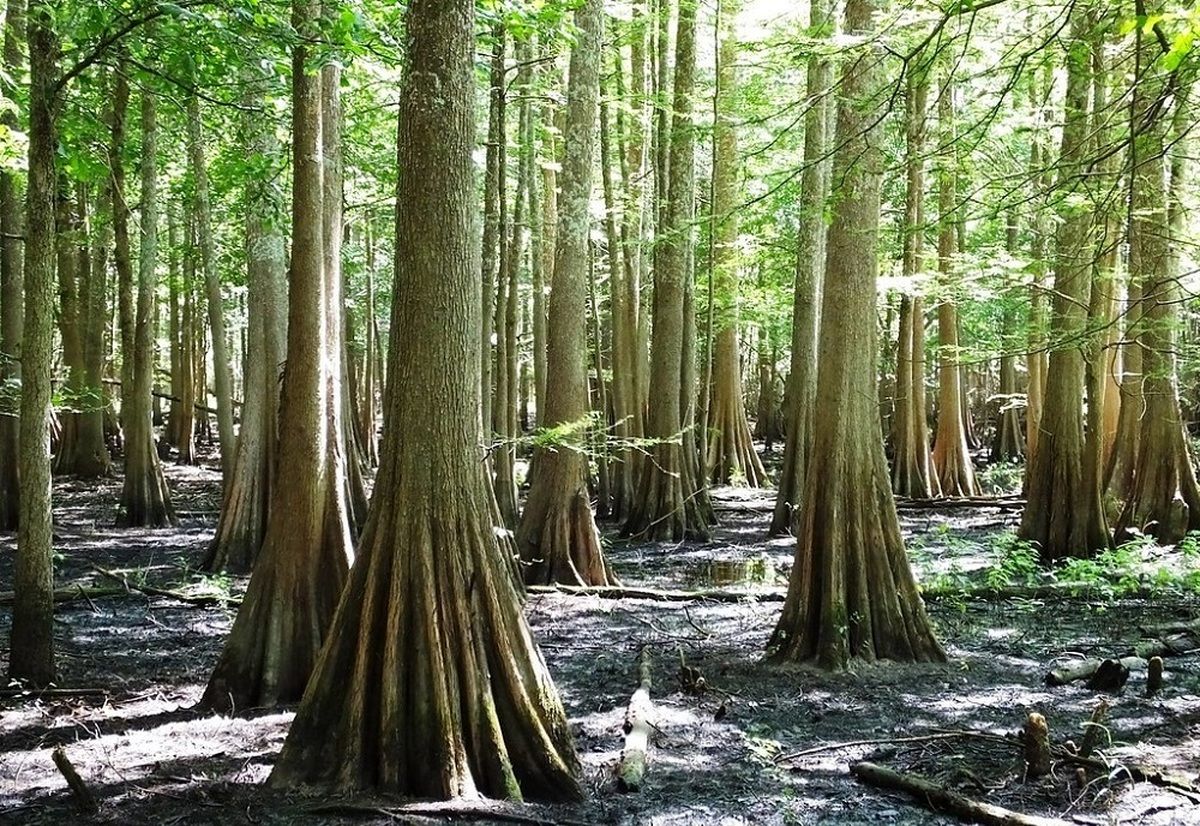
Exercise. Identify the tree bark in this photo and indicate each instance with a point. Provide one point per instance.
(431, 685)
(951, 452)
(202, 211)
(346, 453)
(304, 560)
(12, 279)
(851, 592)
(247, 495)
(31, 641)
(1164, 499)
(1064, 516)
(670, 500)
(801, 389)
(145, 499)
(557, 536)
(729, 453)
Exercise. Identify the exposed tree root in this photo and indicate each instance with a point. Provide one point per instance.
(85, 801)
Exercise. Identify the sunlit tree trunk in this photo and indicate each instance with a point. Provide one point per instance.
(12, 280)
(729, 453)
(247, 495)
(145, 500)
(202, 211)
(851, 593)
(1037, 357)
(557, 537)
(31, 641)
(431, 685)
(670, 499)
(305, 555)
(1164, 499)
(951, 452)
(1064, 516)
(346, 454)
(800, 392)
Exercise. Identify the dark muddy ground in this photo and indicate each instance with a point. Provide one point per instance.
(717, 757)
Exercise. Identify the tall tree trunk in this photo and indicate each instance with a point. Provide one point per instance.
(1009, 443)
(186, 433)
(305, 555)
(557, 537)
(851, 592)
(431, 685)
(1037, 358)
(91, 450)
(1164, 499)
(67, 236)
(729, 454)
(912, 467)
(670, 499)
(247, 496)
(504, 454)
(800, 392)
(174, 322)
(951, 452)
(1064, 516)
(145, 499)
(31, 641)
(222, 377)
(493, 199)
(346, 454)
(12, 280)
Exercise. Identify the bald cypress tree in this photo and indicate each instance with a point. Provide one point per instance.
(430, 684)
(851, 592)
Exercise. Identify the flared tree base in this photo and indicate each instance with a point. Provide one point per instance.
(431, 685)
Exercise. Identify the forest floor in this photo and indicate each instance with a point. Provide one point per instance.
(726, 755)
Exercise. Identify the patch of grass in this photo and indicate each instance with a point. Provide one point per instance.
(1001, 478)
(1016, 562)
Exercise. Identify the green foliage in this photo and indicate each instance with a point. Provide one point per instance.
(1016, 563)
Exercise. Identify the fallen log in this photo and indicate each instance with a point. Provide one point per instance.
(1086, 669)
(1136, 773)
(84, 800)
(51, 693)
(939, 799)
(1053, 590)
(998, 502)
(71, 593)
(631, 771)
(201, 601)
(659, 595)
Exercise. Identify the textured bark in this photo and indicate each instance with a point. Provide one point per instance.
(174, 323)
(145, 500)
(185, 434)
(493, 199)
(122, 256)
(557, 536)
(951, 452)
(1164, 498)
(504, 454)
(31, 641)
(305, 555)
(1009, 442)
(202, 211)
(91, 449)
(801, 389)
(67, 236)
(431, 685)
(1064, 516)
(12, 280)
(851, 592)
(670, 499)
(247, 496)
(1036, 360)
(729, 453)
(346, 456)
